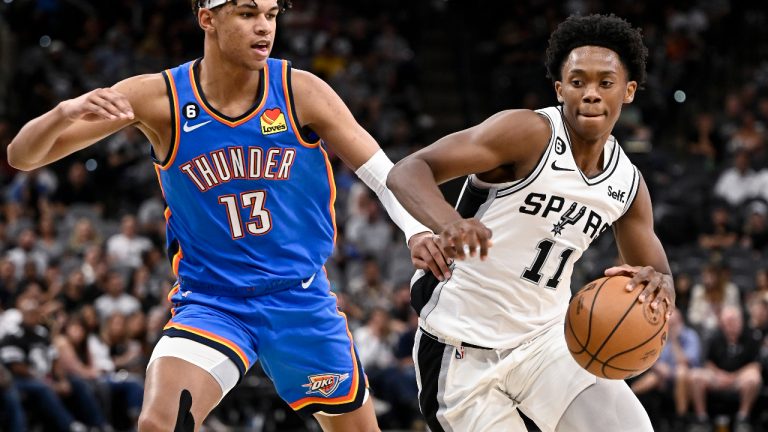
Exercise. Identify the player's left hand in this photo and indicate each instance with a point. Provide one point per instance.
(658, 286)
(426, 255)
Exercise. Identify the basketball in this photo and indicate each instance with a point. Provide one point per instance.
(609, 333)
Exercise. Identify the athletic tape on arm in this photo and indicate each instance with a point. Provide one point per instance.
(374, 174)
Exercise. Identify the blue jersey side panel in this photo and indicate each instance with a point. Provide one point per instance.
(250, 200)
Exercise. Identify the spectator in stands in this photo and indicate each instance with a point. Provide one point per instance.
(708, 297)
(30, 357)
(48, 240)
(8, 283)
(126, 247)
(755, 232)
(126, 353)
(671, 372)
(87, 357)
(737, 183)
(12, 417)
(115, 300)
(83, 236)
(731, 364)
(721, 231)
(27, 251)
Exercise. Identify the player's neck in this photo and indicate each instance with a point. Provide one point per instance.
(588, 154)
(224, 82)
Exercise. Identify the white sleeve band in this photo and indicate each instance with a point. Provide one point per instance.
(374, 174)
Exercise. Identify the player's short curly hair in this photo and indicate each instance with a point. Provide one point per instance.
(283, 4)
(607, 31)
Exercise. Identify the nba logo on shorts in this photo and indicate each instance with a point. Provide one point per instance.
(325, 384)
(459, 353)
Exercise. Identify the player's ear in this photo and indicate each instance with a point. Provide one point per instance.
(629, 94)
(558, 91)
(205, 20)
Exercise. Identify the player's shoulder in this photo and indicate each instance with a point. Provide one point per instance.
(143, 86)
(518, 125)
(305, 82)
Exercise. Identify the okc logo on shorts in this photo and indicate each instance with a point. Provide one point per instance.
(273, 121)
(325, 384)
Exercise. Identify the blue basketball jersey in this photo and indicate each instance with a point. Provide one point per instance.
(250, 199)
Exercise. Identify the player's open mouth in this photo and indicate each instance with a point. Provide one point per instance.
(261, 47)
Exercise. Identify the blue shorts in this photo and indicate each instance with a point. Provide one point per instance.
(298, 334)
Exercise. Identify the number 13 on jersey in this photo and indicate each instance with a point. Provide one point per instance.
(260, 220)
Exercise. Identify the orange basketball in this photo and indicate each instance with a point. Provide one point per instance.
(609, 333)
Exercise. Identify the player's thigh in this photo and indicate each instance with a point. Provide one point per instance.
(179, 364)
(459, 389)
(359, 420)
(606, 406)
(545, 378)
(166, 378)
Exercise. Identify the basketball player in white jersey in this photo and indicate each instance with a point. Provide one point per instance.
(546, 183)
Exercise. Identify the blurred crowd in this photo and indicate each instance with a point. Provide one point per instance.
(83, 269)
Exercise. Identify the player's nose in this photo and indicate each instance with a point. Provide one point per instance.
(591, 94)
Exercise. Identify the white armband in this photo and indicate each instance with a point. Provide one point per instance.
(374, 174)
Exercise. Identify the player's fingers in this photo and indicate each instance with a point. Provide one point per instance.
(623, 269)
(430, 265)
(440, 260)
(472, 243)
(651, 287)
(112, 98)
(107, 105)
(458, 246)
(121, 102)
(485, 244)
(96, 109)
(446, 246)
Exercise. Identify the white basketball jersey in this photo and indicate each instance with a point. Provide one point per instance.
(541, 225)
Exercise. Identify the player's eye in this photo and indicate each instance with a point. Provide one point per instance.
(271, 16)
(606, 83)
(576, 83)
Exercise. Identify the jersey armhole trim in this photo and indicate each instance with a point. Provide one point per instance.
(636, 177)
(173, 100)
(299, 131)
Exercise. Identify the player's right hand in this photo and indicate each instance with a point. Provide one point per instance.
(465, 237)
(97, 105)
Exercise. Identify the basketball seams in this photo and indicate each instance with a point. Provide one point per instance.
(652, 337)
(618, 324)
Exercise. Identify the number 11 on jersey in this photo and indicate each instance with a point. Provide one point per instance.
(533, 272)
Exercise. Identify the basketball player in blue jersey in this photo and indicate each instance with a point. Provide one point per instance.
(239, 144)
(545, 184)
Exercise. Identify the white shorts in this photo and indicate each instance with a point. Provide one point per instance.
(475, 389)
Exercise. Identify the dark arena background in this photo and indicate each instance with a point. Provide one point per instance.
(82, 241)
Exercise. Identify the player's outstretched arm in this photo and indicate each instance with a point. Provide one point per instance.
(510, 137)
(641, 251)
(320, 108)
(77, 123)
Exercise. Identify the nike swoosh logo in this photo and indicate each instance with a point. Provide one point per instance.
(305, 284)
(188, 128)
(557, 168)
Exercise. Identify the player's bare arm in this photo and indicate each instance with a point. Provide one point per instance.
(642, 252)
(77, 123)
(320, 108)
(504, 147)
